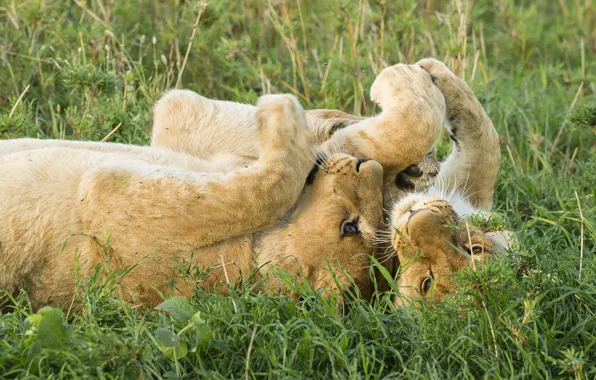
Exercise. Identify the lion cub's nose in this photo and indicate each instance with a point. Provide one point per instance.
(360, 162)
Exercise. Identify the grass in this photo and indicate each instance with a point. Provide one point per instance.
(82, 69)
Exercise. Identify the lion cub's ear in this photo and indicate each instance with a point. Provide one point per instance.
(501, 240)
(326, 122)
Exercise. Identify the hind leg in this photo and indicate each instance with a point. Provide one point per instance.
(211, 129)
(223, 131)
(402, 135)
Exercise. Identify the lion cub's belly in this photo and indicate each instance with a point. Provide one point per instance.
(44, 226)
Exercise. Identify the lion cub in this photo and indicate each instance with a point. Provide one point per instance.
(160, 208)
(427, 204)
(430, 230)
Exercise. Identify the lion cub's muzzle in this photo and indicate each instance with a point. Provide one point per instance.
(427, 217)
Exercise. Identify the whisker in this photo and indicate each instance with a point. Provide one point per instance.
(385, 234)
(387, 254)
(310, 155)
(390, 256)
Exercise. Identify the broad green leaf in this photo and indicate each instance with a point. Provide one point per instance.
(204, 336)
(167, 337)
(32, 323)
(179, 307)
(175, 353)
(170, 344)
(52, 332)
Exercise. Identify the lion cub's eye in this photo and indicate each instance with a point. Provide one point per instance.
(349, 227)
(426, 284)
(476, 250)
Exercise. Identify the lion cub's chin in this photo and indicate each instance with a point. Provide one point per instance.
(433, 239)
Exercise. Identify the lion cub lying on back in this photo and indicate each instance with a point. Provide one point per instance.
(427, 207)
(174, 208)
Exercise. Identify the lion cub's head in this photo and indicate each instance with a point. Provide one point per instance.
(433, 240)
(332, 228)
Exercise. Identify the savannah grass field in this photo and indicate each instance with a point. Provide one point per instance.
(91, 69)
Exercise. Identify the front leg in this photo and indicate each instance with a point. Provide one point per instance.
(474, 162)
(179, 206)
(407, 128)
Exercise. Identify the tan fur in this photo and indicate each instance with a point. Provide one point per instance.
(398, 138)
(430, 232)
(161, 208)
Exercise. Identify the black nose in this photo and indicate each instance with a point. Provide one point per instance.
(402, 181)
(360, 162)
(413, 171)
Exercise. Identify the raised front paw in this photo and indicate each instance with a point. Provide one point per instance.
(464, 112)
(402, 84)
(282, 125)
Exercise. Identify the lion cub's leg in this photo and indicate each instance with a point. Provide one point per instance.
(221, 130)
(474, 162)
(211, 129)
(407, 128)
(204, 208)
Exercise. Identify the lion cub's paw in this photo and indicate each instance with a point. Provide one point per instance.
(282, 125)
(437, 69)
(402, 84)
(463, 109)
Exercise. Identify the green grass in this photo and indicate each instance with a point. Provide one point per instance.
(530, 314)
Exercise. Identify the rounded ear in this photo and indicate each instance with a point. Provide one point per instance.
(323, 114)
(501, 240)
(326, 122)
